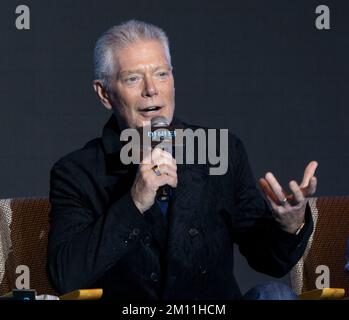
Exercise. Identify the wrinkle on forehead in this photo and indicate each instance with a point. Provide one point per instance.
(141, 56)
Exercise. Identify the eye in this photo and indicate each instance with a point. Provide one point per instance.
(131, 79)
(163, 74)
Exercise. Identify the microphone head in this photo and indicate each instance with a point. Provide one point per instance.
(159, 121)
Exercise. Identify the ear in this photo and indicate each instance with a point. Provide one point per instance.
(102, 94)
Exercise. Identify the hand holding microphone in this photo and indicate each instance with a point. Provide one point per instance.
(156, 173)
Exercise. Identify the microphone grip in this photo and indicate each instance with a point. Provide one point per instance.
(163, 193)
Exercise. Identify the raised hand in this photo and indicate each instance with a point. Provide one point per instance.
(289, 209)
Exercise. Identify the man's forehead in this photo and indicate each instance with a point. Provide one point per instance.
(150, 54)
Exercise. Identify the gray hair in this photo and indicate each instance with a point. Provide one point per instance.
(119, 37)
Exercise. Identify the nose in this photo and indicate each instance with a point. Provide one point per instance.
(150, 88)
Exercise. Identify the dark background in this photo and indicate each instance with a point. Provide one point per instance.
(259, 68)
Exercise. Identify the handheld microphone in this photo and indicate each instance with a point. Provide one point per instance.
(162, 134)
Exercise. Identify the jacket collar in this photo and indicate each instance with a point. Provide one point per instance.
(111, 136)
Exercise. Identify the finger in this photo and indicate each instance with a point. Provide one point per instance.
(164, 152)
(159, 171)
(267, 190)
(165, 179)
(165, 162)
(172, 181)
(159, 151)
(298, 196)
(161, 161)
(308, 173)
(152, 181)
(275, 186)
(311, 189)
(277, 209)
(157, 154)
(167, 169)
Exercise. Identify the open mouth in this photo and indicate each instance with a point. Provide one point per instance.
(150, 109)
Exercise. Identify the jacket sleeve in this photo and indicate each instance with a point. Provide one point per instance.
(83, 245)
(265, 245)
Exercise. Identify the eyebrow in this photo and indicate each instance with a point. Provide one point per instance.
(127, 72)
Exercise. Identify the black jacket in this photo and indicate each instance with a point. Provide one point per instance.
(98, 238)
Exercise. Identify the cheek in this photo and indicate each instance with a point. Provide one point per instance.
(127, 100)
(169, 90)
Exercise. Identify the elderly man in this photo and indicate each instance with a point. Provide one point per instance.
(109, 231)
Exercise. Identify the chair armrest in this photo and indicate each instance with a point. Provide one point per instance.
(83, 294)
(322, 294)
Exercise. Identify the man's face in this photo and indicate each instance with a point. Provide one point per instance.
(144, 85)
